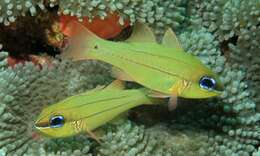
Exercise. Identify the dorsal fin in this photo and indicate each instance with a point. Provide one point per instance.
(170, 39)
(141, 33)
(116, 85)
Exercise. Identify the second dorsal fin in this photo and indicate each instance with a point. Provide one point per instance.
(171, 40)
(141, 33)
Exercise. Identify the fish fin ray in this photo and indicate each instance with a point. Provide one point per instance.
(80, 42)
(170, 39)
(141, 33)
(119, 74)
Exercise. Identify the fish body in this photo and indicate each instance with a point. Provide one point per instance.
(164, 68)
(88, 111)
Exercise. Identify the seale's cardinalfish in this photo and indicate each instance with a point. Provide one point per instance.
(166, 69)
(87, 111)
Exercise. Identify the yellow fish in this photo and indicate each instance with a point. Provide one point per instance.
(87, 111)
(164, 68)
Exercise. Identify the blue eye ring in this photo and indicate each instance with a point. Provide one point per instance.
(56, 121)
(207, 83)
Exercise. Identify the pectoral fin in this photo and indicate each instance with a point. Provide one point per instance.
(119, 74)
(173, 102)
(93, 136)
(176, 90)
(170, 39)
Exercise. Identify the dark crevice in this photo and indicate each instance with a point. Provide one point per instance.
(224, 45)
(27, 36)
(52, 9)
(125, 34)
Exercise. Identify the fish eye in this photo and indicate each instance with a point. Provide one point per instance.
(207, 83)
(57, 121)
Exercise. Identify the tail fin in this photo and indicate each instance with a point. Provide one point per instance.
(81, 42)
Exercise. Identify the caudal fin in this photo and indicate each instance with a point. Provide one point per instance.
(80, 43)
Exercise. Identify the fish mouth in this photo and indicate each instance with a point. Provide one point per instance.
(41, 125)
(218, 92)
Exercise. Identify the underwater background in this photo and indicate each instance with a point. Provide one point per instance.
(224, 34)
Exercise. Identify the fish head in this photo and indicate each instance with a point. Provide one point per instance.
(195, 79)
(202, 83)
(56, 121)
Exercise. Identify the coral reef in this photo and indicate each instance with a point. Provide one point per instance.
(130, 139)
(225, 19)
(157, 13)
(11, 9)
(236, 116)
(223, 34)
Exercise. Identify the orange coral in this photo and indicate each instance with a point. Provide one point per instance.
(105, 28)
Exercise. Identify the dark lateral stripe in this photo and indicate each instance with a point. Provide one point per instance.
(144, 52)
(96, 101)
(148, 66)
(167, 57)
(106, 110)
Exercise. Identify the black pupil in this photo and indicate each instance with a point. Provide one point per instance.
(207, 83)
(57, 121)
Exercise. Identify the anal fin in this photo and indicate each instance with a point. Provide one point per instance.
(116, 85)
(172, 103)
(156, 94)
(119, 74)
